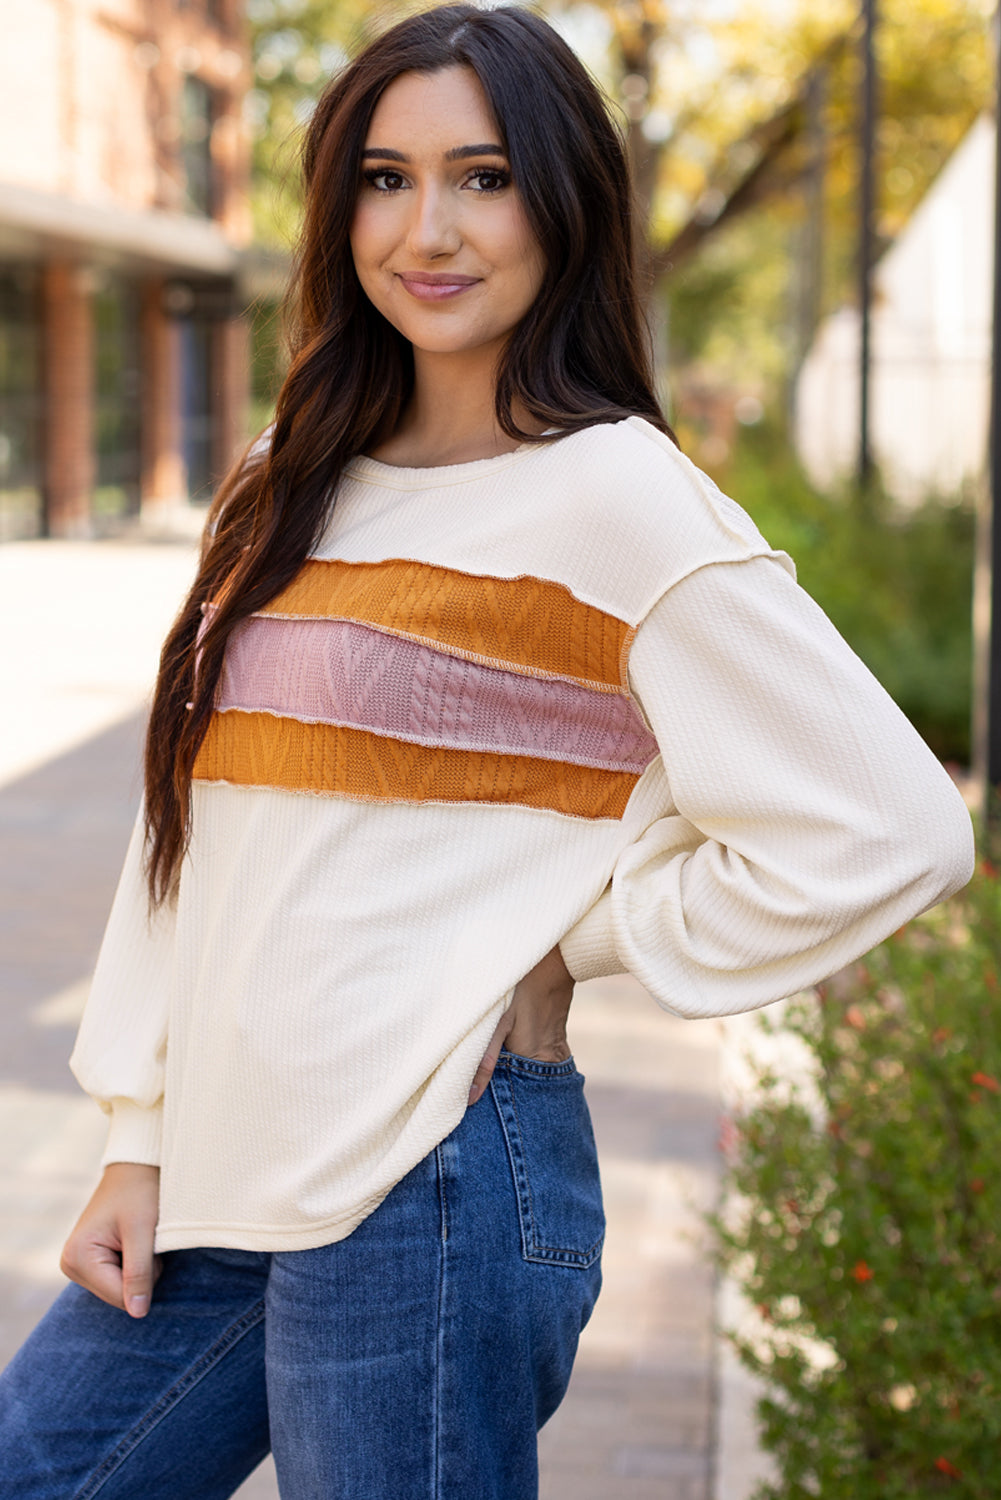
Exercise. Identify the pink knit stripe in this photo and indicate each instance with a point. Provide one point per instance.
(340, 672)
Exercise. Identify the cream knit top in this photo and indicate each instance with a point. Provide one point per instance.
(566, 695)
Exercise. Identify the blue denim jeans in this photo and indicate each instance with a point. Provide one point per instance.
(414, 1360)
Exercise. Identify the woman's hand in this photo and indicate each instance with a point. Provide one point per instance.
(110, 1251)
(535, 1023)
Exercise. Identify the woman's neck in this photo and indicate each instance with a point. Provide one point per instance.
(450, 418)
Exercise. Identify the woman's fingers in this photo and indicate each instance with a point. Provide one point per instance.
(110, 1251)
(94, 1265)
(485, 1070)
(138, 1270)
(534, 1024)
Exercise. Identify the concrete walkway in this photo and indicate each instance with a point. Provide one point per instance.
(657, 1409)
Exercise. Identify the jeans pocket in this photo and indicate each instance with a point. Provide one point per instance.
(553, 1159)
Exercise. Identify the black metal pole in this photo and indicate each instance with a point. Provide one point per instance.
(994, 661)
(867, 151)
(811, 270)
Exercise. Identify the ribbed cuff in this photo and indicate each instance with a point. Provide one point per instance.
(588, 949)
(135, 1134)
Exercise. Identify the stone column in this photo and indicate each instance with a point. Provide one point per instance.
(164, 480)
(70, 462)
(230, 392)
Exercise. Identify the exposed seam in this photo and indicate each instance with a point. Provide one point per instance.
(305, 791)
(170, 1399)
(461, 653)
(429, 742)
(764, 552)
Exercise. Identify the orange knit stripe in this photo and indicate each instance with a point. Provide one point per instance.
(260, 749)
(515, 622)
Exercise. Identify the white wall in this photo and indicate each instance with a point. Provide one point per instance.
(931, 345)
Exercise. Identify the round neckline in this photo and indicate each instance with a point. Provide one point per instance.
(362, 465)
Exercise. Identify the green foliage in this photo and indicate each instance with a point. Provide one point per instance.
(897, 585)
(729, 308)
(867, 1226)
(297, 45)
(936, 76)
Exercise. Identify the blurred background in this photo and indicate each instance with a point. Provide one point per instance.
(817, 186)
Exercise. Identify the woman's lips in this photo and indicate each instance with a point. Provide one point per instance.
(436, 289)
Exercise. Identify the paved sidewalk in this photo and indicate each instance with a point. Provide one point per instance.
(642, 1420)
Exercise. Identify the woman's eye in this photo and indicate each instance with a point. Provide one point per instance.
(384, 180)
(490, 179)
(484, 180)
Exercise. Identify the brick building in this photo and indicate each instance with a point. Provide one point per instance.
(124, 165)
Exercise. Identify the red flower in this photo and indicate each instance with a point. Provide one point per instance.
(988, 869)
(977, 1185)
(862, 1272)
(945, 1467)
(941, 1034)
(855, 1018)
(985, 1081)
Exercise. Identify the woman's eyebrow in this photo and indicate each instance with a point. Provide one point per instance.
(457, 153)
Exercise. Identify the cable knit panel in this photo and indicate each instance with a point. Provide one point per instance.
(311, 699)
(337, 672)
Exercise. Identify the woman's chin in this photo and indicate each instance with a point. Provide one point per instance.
(456, 343)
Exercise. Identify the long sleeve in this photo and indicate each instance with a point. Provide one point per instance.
(804, 819)
(120, 1049)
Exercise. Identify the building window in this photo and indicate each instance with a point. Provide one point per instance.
(196, 146)
(117, 393)
(196, 397)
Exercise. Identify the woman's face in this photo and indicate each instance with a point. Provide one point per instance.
(440, 240)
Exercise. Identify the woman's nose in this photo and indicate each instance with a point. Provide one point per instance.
(434, 228)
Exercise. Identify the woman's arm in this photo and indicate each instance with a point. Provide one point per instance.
(119, 1059)
(120, 1051)
(805, 819)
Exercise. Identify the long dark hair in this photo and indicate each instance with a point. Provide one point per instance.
(580, 356)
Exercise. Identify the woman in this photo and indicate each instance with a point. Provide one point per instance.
(482, 688)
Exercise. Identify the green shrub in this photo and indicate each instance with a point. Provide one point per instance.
(864, 1221)
(897, 586)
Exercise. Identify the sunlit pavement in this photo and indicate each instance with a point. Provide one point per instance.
(656, 1410)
